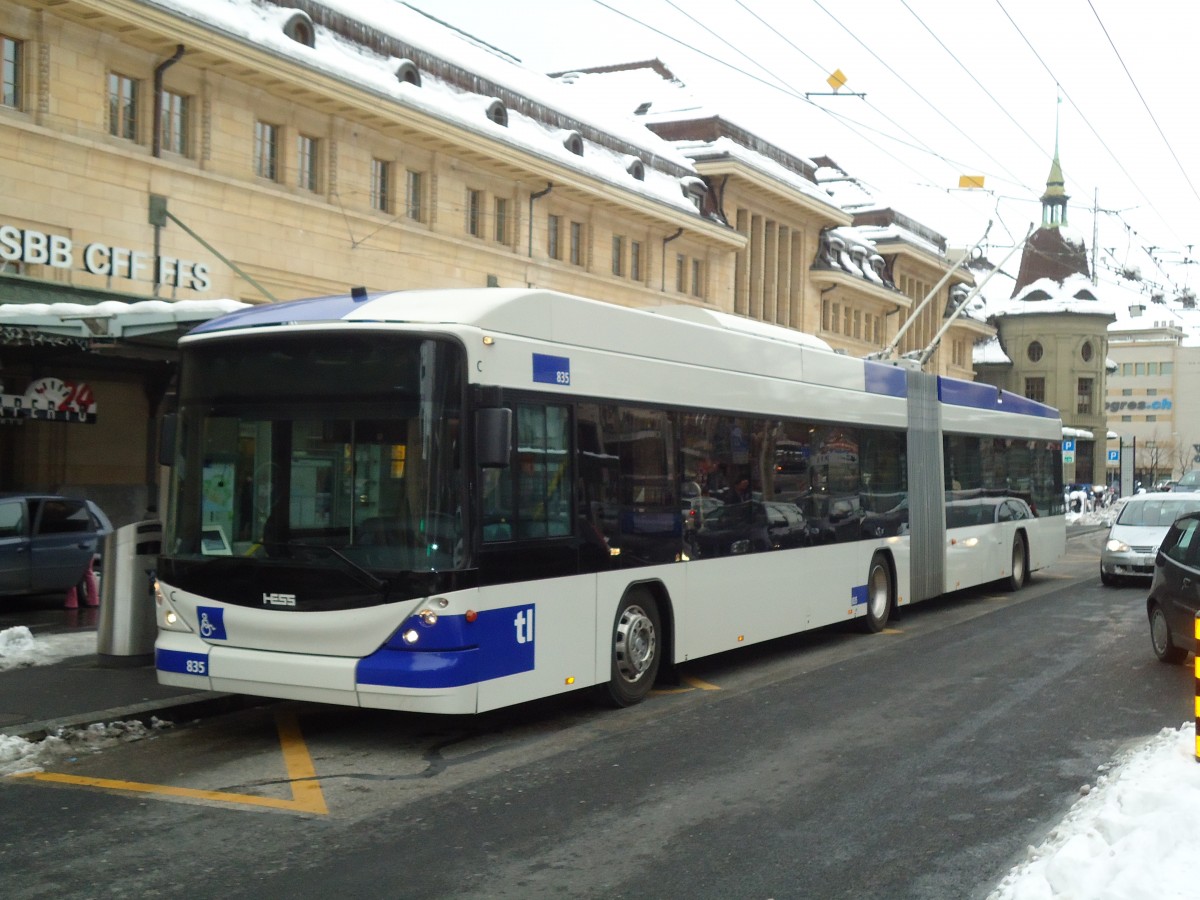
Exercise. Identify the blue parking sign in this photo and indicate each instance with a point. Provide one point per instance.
(1114, 455)
(1068, 445)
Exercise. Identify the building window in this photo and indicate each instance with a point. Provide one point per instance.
(413, 196)
(635, 260)
(173, 128)
(1126, 368)
(266, 150)
(1083, 402)
(11, 57)
(697, 278)
(1035, 389)
(474, 213)
(1139, 368)
(553, 249)
(1166, 368)
(1035, 351)
(501, 223)
(122, 106)
(306, 162)
(680, 272)
(577, 243)
(618, 255)
(1127, 392)
(1086, 351)
(381, 185)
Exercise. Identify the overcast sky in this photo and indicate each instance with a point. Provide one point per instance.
(951, 87)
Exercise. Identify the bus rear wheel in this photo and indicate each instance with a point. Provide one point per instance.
(636, 650)
(879, 595)
(1020, 564)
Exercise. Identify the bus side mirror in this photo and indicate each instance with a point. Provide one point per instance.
(493, 437)
(166, 439)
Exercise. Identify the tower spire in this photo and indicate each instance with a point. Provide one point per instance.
(1054, 201)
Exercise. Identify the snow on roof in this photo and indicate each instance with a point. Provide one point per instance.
(375, 73)
(651, 86)
(725, 147)
(989, 352)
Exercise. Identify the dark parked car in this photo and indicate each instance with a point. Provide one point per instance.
(47, 542)
(1175, 591)
(751, 527)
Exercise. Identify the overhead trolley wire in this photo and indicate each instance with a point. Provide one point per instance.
(1145, 105)
(853, 125)
(1084, 118)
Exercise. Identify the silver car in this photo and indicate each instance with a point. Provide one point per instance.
(1141, 525)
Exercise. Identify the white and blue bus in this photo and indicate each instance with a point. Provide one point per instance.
(452, 501)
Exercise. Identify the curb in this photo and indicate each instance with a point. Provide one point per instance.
(202, 705)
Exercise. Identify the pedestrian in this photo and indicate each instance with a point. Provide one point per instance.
(91, 591)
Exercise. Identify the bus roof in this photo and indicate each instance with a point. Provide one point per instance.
(677, 333)
(529, 312)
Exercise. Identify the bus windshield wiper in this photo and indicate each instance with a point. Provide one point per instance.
(360, 574)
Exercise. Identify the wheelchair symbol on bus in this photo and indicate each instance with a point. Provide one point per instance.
(212, 623)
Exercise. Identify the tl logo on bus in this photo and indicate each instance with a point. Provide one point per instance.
(524, 626)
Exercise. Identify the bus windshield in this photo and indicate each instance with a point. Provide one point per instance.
(351, 460)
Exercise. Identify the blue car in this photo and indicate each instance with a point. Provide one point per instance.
(47, 542)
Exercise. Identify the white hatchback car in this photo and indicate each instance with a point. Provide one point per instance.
(1141, 525)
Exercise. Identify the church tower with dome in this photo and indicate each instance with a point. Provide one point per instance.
(1051, 341)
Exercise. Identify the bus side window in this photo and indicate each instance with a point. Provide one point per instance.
(543, 473)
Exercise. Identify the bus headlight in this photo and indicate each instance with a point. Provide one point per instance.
(410, 636)
(169, 618)
(427, 617)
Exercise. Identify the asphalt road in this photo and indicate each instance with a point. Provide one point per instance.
(916, 763)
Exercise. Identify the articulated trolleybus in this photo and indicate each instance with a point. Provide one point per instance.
(453, 501)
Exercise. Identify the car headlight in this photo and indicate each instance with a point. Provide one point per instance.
(1115, 546)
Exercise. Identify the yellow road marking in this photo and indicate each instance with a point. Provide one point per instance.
(697, 683)
(306, 790)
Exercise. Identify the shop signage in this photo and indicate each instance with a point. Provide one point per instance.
(52, 400)
(1138, 405)
(37, 248)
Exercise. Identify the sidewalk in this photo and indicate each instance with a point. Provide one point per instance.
(80, 691)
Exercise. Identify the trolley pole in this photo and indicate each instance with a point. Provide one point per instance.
(1196, 665)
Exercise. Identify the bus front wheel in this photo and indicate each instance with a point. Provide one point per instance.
(879, 595)
(636, 650)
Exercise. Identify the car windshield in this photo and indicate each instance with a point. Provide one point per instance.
(330, 453)
(1190, 481)
(1156, 512)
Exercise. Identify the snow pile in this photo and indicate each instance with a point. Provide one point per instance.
(1133, 836)
(18, 755)
(19, 648)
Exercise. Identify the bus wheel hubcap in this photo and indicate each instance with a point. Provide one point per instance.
(635, 643)
(879, 592)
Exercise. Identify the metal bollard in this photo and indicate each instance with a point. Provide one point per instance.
(127, 623)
